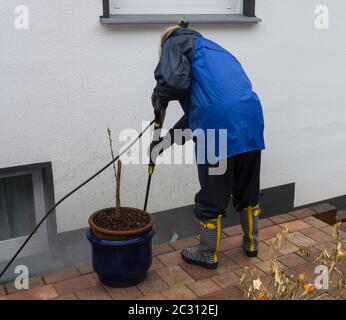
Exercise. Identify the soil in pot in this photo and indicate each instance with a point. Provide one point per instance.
(128, 219)
(131, 223)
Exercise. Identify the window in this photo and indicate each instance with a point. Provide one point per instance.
(23, 201)
(172, 11)
(174, 7)
(17, 206)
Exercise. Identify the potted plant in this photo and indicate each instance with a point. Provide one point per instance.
(120, 238)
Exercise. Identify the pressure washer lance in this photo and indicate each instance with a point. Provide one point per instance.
(159, 119)
(71, 193)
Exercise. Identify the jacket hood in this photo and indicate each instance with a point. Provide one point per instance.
(184, 32)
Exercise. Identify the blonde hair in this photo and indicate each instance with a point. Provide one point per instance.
(166, 34)
(168, 31)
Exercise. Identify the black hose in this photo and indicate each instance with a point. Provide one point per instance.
(68, 195)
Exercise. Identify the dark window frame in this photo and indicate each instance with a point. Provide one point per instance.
(248, 16)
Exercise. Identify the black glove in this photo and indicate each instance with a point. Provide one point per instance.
(153, 99)
(158, 105)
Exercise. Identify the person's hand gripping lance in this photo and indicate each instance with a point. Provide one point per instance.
(160, 113)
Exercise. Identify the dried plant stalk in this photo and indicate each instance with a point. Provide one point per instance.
(286, 287)
(117, 175)
(117, 190)
(109, 131)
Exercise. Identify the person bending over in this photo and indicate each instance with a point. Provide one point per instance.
(215, 94)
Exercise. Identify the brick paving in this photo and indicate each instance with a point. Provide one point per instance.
(180, 292)
(57, 276)
(282, 218)
(171, 278)
(269, 232)
(36, 281)
(2, 291)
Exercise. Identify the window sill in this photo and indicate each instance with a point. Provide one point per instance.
(134, 19)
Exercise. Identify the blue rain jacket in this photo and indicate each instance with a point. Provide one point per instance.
(214, 92)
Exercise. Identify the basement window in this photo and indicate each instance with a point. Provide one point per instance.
(122, 12)
(23, 202)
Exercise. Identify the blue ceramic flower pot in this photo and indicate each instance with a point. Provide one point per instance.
(121, 263)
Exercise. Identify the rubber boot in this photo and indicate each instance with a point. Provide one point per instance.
(249, 222)
(206, 254)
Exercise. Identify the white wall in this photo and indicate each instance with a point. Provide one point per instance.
(67, 78)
